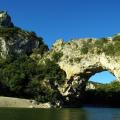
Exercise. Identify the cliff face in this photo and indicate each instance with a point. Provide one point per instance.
(82, 58)
(15, 41)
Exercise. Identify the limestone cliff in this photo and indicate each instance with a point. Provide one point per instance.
(15, 41)
(82, 58)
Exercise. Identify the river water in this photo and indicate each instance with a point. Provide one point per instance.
(60, 114)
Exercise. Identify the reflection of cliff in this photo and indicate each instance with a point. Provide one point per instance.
(67, 114)
(74, 114)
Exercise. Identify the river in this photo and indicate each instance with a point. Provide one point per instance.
(87, 113)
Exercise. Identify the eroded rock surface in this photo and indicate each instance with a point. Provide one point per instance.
(82, 58)
(15, 41)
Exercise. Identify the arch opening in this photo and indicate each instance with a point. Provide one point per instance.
(103, 77)
(102, 89)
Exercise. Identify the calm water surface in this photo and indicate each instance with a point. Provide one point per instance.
(60, 114)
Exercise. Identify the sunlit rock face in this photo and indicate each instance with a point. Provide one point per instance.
(82, 58)
(5, 20)
(90, 86)
(15, 41)
(18, 43)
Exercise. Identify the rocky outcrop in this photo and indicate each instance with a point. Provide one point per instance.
(15, 41)
(82, 58)
(5, 20)
(90, 86)
(16, 44)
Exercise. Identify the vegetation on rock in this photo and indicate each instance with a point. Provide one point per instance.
(102, 45)
(15, 41)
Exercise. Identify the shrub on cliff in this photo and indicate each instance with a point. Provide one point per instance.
(116, 37)
(9, 32)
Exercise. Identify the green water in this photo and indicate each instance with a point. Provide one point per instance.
(60, 114)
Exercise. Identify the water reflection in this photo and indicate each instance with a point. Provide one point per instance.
(102, 113)
(42, 114)
(60, 114)
(68, 114)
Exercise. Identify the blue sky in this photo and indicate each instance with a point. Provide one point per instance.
(103, 77)
(67, 19)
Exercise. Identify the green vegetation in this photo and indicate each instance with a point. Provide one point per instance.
(102, 46)
(23, 77)
(104, 94)
(56, 56)
(41, 50)
(113, 86)
(9, 32)
(116, 37)
(85, 48)
(14, 34)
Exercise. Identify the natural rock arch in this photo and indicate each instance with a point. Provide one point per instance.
(77, 81)
(80, 66)
(103, 77)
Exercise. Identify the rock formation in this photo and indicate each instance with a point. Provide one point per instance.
(15, 41)
(82, 58)
(90, 86)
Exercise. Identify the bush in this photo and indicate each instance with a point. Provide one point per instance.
(85, 48)
(104, 94)
(102, 46)
(9, 32)
(56, 56)
(116, 38)
(23, 77)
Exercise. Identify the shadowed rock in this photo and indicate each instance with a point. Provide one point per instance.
(5, 20)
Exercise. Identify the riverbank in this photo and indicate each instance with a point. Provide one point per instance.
(21, 103)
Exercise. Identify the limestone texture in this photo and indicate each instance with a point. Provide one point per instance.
(14, 41)
(82, 58)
